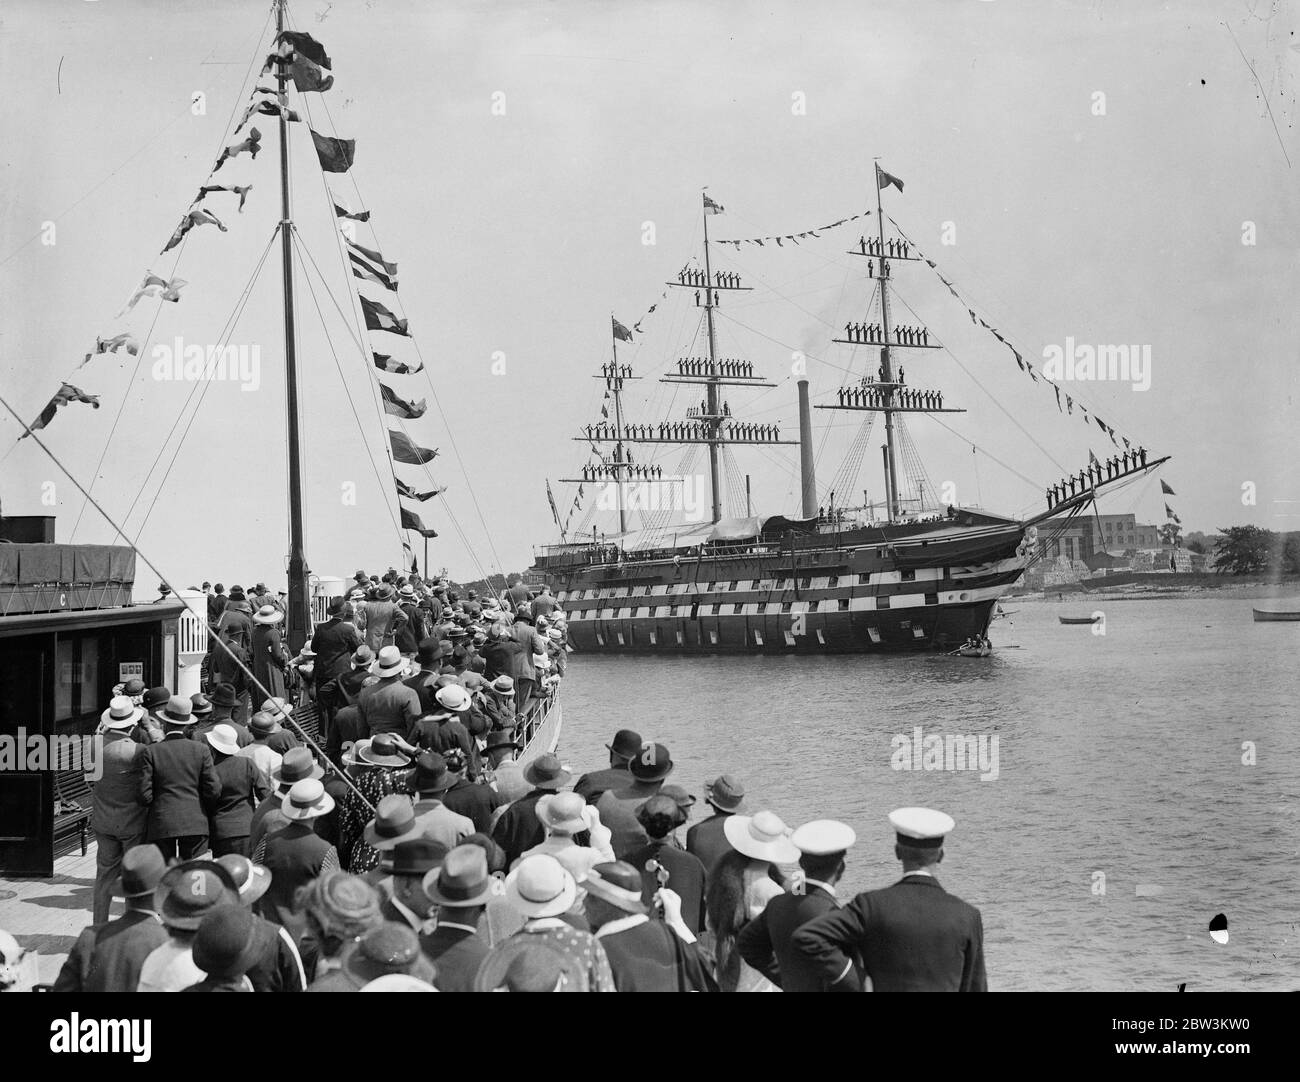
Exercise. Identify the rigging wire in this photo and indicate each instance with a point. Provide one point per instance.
(200, 617)
(94, 477)
(206, 385)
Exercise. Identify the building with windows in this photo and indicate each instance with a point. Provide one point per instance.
(1118, 533)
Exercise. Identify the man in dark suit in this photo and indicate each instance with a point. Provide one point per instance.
(706, 838)
(179, 784)
(686, 875)
(913, 936)
(108, 957)
(117, 818)
(460, 889)
(334, 642)
(617, 807)
(519, 829)
(295, 854)
(242, 789)
(764, 942)
(502, 656)
(615, 776)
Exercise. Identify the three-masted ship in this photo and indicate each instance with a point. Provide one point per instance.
(825, 580)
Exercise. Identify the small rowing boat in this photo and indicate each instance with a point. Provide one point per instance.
(1079, 619)
(1288, 609)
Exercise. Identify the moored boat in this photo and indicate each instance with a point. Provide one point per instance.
(1079, 619)
(1282, 612)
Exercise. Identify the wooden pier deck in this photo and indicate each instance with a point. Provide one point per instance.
(47, 915)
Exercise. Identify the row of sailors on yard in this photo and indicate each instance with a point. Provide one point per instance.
(1095, 474)
(522, 881)
(723, 279)
(613, 471)
(699, 366)
(874, 333)
(896, 248)
(882, 395)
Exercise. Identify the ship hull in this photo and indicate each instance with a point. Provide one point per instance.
(822, 594)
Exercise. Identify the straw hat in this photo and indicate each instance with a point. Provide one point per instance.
(762, 836)
(381, 750)
(121, 714)
(390, 662)
(306, 800)
(268, 614)
(179, 712)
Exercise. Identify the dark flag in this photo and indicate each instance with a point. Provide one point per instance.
(403, 489)
(379, 318)
(307, 45)
(884, 180)
(398, 406)
(406, 451)
(411, 521)
(1169, 512)
(362, 269)
(308, 76)
(710, 207)
(336, 155)
(359, 216)
(621, 332)
(555, 512)
(385, 363)
(66, 394)
(374, 257)
(1167, 490)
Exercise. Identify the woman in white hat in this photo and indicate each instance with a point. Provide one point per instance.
(563, 815)
(540, 889)
(740, 886)
(269, 658)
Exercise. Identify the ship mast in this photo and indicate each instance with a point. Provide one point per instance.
(885, 359)
(888, 395)
(615, 384)
(714, 421)
(298, 622)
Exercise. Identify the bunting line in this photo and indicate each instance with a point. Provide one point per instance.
(794, 237)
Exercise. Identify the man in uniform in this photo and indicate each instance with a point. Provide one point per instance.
(765, 942)
(913, 936)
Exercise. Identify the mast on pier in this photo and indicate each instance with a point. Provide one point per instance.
(298, 622)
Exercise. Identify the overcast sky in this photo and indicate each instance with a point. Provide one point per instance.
(1097, 164)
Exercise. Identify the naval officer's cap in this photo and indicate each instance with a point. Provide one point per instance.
(822, 837)
(921, 828)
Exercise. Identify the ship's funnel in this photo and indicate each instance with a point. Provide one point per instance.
(806, 473)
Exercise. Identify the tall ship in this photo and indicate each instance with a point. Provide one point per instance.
(904, 574)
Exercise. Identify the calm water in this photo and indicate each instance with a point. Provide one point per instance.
(1118, 753)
